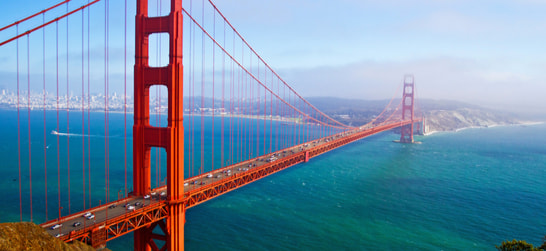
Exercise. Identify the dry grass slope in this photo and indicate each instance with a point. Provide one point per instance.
(29, 236)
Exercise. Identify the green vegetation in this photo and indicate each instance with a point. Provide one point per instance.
(517, 245)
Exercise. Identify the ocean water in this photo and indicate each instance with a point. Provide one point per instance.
(468, 190)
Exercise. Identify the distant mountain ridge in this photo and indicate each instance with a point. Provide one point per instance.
(440, 115)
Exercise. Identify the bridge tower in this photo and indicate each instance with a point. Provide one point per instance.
(406, 135)
(171, 137)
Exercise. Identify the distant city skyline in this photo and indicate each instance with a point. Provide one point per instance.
(487, 53)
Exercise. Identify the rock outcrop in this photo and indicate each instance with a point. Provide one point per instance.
(451, 120)
(29, 236)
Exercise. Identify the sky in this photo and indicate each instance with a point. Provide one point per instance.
(485, 52)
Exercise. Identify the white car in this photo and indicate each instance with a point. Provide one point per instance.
(56, 226)
(87, 214)
(147, 196)
(90, 217)
(58, 235)
(131, 208)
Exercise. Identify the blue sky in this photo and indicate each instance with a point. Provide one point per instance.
(485, 52)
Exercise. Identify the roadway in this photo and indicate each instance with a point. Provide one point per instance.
(119, 208)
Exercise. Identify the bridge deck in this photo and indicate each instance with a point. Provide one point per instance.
(116, 218)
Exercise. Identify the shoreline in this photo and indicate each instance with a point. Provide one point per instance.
(288, 120)
(527, 123)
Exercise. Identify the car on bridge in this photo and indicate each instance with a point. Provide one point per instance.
(56, 226)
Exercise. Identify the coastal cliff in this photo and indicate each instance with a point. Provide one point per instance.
(29, 236)
(452, 120)
(440, 115)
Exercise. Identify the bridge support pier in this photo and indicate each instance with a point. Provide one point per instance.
(98, 237)
(171, 137)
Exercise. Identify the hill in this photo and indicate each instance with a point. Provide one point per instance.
(440, 115)
(29, 236)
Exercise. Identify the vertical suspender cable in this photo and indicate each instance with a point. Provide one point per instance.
(106, 101)
(28, 124)
(203, 94)
(89, 105)
(257, 117)
(213, 78)
(19, 132)
(125, 99)
(306, 125)
(244, 103)
(301, 125)
(283, 117)
(265, 109)
(45, 132)
(239, 97)
(246, 106)
(67, 114)
(231, 97)
(251, 132)
(223, 98)
(83, 107)
(272, 86)
(190, 91)
(192, 99)
(57, 110)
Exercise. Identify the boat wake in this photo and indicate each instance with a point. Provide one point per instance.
(74, 134)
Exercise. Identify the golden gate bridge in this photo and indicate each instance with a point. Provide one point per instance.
(209, 116)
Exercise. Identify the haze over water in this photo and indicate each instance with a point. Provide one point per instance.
(467, 190)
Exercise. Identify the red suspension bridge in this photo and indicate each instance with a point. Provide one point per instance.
(224, 120)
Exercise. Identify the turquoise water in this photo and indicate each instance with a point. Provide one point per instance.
(467, 190)
(456, 191)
